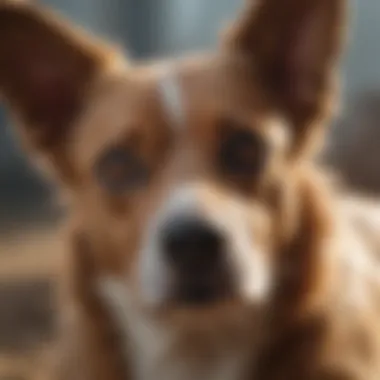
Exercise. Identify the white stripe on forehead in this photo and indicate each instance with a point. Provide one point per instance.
(171, 96)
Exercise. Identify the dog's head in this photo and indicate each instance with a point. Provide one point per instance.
(183, 174)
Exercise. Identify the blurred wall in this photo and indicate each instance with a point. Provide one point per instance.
(160, 27)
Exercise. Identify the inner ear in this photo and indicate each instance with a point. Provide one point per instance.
(46, 68)
(294, 46)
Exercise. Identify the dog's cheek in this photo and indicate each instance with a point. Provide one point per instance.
(250, 252)
(90, 336)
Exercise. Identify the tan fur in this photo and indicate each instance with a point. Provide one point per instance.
(319, 319)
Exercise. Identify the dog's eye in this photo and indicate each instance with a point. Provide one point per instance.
(120, 170)
(242, 153)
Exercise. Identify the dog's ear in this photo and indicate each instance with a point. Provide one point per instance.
(46, 67)
(294, 46)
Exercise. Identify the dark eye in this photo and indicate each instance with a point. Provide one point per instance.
(120, 170)
(242, 152)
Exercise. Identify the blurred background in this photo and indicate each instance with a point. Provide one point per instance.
(149, 28)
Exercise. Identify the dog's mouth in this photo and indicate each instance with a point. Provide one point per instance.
(203, 290)
(198, 294)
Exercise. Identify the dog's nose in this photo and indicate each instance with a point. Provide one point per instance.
(192, 245)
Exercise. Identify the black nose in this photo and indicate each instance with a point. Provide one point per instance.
(192, 245)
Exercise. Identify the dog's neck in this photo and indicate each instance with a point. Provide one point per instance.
(160, 351)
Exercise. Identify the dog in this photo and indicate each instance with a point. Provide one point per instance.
(205, 240)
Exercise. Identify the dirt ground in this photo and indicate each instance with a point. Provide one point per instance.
(30, 264)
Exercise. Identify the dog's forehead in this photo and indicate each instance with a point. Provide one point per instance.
(208, 84)
(180, 95)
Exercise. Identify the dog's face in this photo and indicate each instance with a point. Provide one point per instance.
(187, 192)
(181, 173)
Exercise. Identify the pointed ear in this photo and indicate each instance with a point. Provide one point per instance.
(294, 46)
(46, 68)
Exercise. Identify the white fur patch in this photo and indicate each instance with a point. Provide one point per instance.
(144, 343)
(116, 296)
(171, 95)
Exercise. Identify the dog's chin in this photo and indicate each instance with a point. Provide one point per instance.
(198, 310)
(202, 292)
(223, 316)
